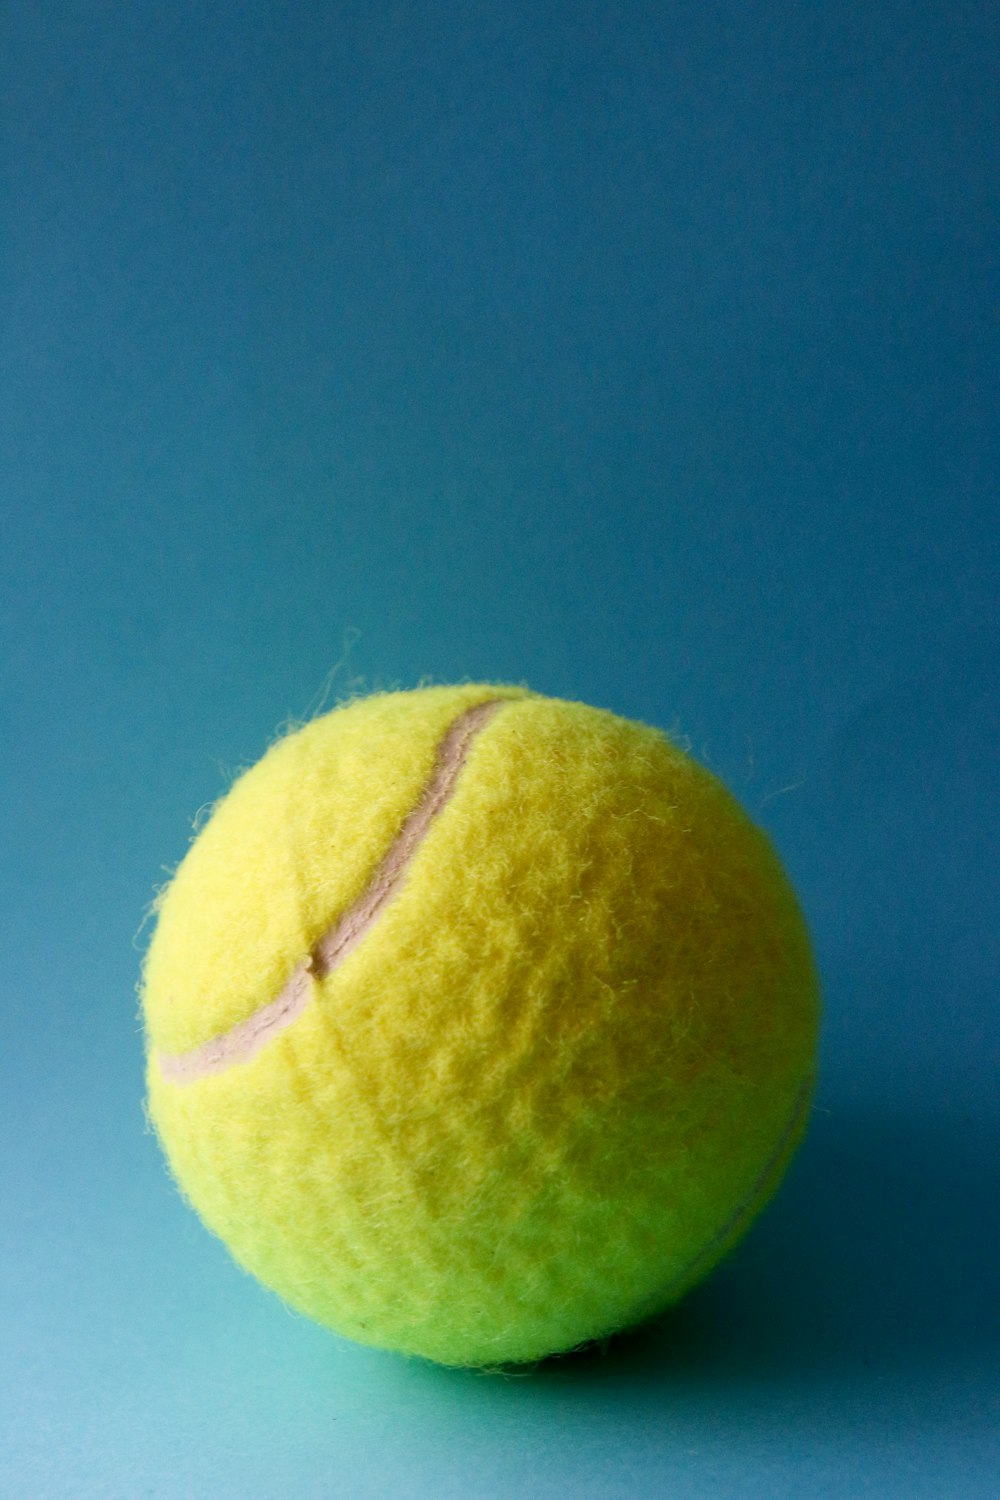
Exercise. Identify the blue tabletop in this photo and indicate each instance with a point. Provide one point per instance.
(643, 353)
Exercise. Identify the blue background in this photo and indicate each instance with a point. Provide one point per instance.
(646, 353)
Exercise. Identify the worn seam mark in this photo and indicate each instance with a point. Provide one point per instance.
(244, 1040)
(748, 1203)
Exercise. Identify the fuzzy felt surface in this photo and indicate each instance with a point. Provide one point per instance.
(565, 1063)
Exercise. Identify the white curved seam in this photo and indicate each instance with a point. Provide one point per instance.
(244, 1040)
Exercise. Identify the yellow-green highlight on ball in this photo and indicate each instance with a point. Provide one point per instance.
(480, 1024)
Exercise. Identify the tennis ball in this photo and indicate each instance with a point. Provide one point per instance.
(480, 1024)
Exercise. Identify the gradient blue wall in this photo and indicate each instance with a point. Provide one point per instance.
(647, 353)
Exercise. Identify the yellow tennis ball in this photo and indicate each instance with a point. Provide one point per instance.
(480, 1024)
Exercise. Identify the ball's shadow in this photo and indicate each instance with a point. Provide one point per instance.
(880, 1251)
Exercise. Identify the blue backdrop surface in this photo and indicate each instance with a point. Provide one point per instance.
(648, 354)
